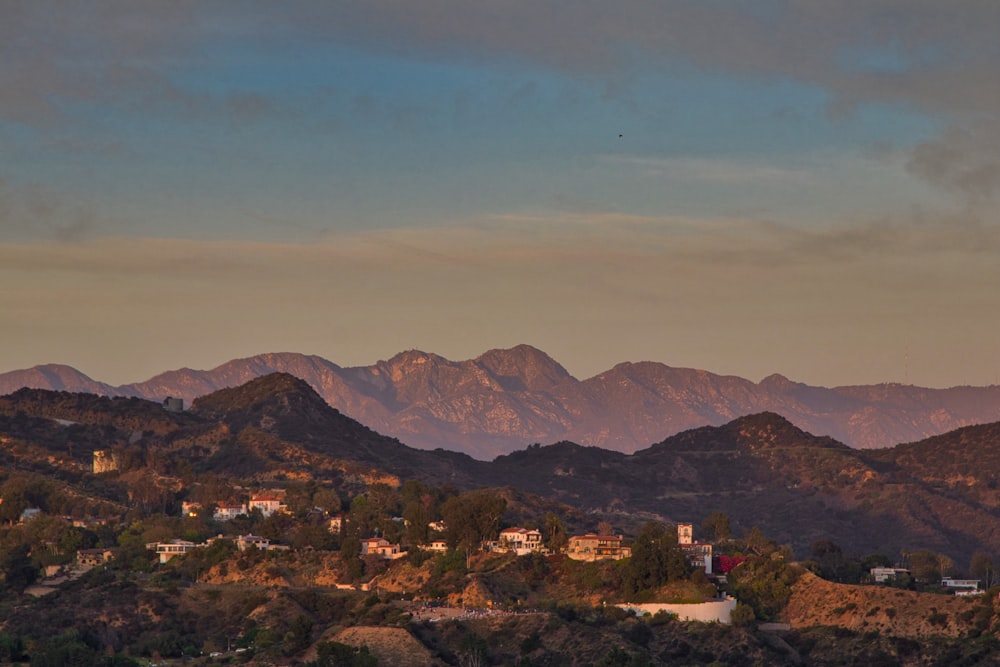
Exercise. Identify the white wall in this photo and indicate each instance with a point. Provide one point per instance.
(717, 611)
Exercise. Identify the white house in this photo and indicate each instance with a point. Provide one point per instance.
(520, 540)
(267, 503)
(961, 586)
(168, 550)
(379, 546)
(229, 511)
(439, 546)
(881, 575)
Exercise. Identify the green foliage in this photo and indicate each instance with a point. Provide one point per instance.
(450, 561)
(350, 556)
(743, 616)
(11, 647)
(656, 560)
(66, 650)
(530, 643)
(716, 526)
(981, 567)
(556, 536)
(472, 518)
(619, 657)
(335, 654)
(473, 650)
(298, 636)
(18, 570)
(764, 583)
(928, 567)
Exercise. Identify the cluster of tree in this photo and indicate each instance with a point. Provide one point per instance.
(656, 560)
(926, 568)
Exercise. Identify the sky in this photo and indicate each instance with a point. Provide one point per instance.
(801, 187)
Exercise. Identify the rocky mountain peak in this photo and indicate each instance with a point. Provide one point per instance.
(523, 367)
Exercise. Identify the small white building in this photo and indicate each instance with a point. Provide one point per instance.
(168, 550)
(267, 503)
(961, 586)
(439, 546)
(29, 513)
(379, 546)
(881, 575)
(229, 511)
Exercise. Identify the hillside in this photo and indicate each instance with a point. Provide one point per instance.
(508, 398)
(889, 611)
(760, 470)
(276, 432)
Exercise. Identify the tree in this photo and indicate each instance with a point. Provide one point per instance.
(764, 583)
(420, 503)
(717, 526)
(742, 616)
(335, 654)
(656, 560)
(328, 500)
(829, 559)
(350, 556)
(759, 543)
(929, 567)
(18, 569)
(555, 533)
(362, 516)
(605, 528)
(981, 567)
(472, 518)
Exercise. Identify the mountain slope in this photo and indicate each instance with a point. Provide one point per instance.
(505, 399)
(938, 494)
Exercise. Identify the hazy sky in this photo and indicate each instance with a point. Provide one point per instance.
(802, 187)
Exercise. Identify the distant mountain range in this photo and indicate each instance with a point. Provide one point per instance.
(507, 398)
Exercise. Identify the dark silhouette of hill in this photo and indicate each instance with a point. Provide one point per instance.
(507, 398)
(799, 488)
(286, 408)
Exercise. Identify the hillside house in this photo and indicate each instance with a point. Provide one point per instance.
(520, 540)
(267, 503)
(881, 575)
(29, 513)
(335, 523)
(171, 404)
(244, 542)
(437, 546)
(597, 547)
(229, 511)
(190, 508)
(961, 586)
(93, 557)
(379, 546)
(168, 550)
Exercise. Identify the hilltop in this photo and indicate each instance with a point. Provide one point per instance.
(507, 398)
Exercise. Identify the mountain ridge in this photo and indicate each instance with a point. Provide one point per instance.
(505, 399)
